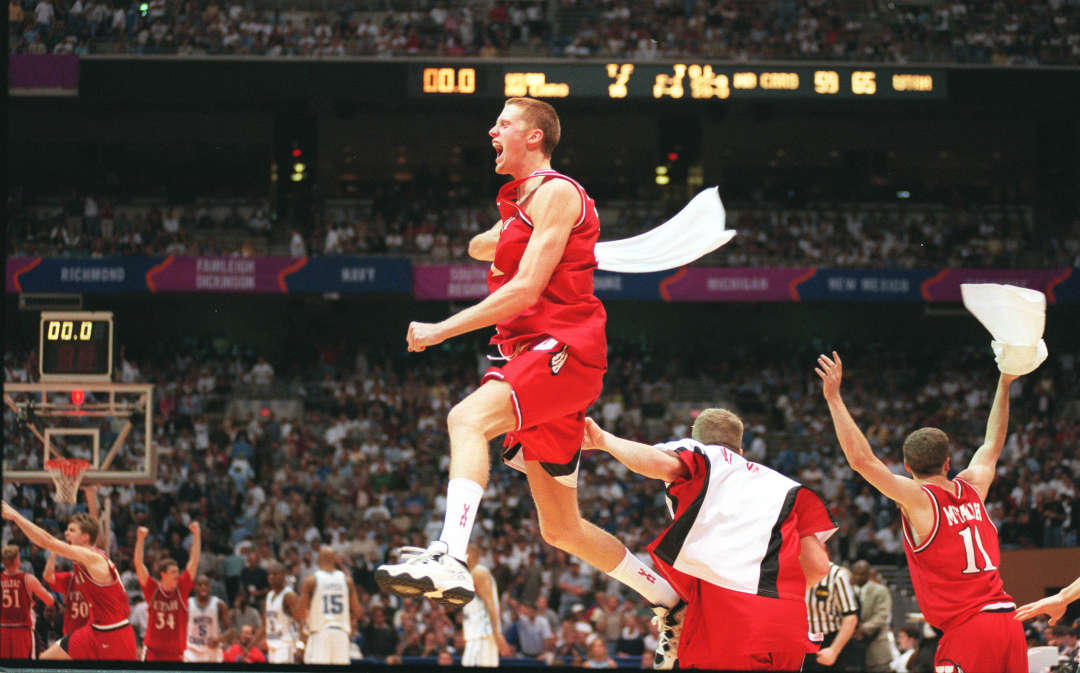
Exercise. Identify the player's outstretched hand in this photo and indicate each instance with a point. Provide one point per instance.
(9, 511)
(421, 335)
(830, 371)
(141, 532)
(595, 437)
(1051, 605)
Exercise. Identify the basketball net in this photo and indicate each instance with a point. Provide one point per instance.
(67, 474)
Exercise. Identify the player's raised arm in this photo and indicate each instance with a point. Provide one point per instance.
(854, 444)
(49, 573)
(648, 461)
(482, 246)
(94, 563)
(140, 563)
(980, 471)
(38, 589)
(556, 207)
(196, 549)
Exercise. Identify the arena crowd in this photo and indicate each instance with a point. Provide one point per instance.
(269, 488)
(1040, 32)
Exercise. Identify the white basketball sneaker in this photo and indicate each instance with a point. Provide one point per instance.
(432, 572)
(669, 623)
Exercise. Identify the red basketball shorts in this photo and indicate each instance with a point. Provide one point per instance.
(551, 391)
(761, 661)
(88, 643)
(989, 642)
(17, 642)
(151, 654)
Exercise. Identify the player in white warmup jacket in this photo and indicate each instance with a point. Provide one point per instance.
(484, 641)
(330, 607)
(280, 628)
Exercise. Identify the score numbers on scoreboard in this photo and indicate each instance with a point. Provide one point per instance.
(676, 81)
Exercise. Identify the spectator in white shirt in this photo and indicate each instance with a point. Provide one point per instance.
(262, 374)
(296, 245)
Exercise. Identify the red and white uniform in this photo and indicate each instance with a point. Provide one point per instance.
(954, 572)
(167, 619)
(557, 349)
(16, 617)
(109, 635)
(732, 553)
(76, 607)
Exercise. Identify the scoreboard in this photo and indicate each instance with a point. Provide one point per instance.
(674, 81)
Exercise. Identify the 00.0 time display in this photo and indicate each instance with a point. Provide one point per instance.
(76, 346)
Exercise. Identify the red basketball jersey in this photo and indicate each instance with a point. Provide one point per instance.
(954, 571)
(110, 601)
(567, 309)
(76, 607)
(16, 609)
(167, 614)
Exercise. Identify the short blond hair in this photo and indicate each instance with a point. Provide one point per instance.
(718, 426)
(10, 553)
(542, 116)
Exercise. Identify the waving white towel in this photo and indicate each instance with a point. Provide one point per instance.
(693, 232)
(1016, 318)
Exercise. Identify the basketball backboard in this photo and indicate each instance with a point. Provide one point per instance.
(108, 424)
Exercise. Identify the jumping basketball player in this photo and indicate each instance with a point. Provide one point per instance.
(549, 330)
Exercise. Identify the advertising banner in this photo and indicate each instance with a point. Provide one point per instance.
(209, 274)
(43, 74)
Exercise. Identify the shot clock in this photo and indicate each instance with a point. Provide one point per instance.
(76, 346)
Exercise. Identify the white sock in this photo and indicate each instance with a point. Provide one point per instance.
(644, 580)
(462, 501)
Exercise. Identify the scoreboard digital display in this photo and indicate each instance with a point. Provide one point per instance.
(676, 81)
(76, 346)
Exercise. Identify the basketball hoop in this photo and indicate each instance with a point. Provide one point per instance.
(67, 474)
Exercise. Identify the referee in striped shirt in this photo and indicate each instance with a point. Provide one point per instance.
(833, 610)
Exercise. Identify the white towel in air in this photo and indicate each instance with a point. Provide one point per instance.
(1016, 318)
(693, 232)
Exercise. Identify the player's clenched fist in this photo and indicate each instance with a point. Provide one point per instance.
(421, 335)
(194, 527)
(141, 532)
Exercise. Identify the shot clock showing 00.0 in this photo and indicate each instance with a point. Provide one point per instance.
(76, 346)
